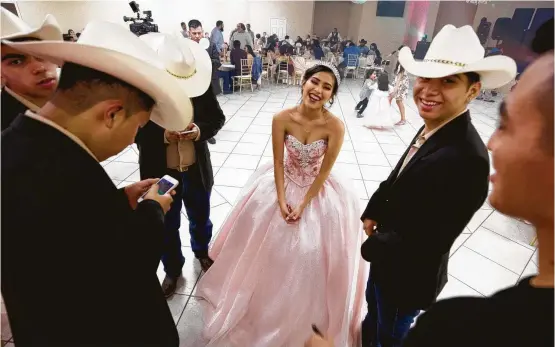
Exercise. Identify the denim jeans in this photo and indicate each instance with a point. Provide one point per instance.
(197, 204)
(385, 325)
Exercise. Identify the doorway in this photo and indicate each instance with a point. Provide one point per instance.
(278, 26)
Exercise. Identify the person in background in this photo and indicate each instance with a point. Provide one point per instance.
(350, 50)
(400, 91)
(217, 36)
(236, 55)
(251, 33)
(521, 149)
(300, 40)
(184, 31)
(28, 82)
(256, 62)
(376, 53)
(92, 116)
(272, 42)
(207, 35)
(334, 38)
(366, 92)
(187, 159)
(364, 50)
(242, 36)
(195, 34)
(380, 106)
(72, 36)
(250, 54)
(318, 52)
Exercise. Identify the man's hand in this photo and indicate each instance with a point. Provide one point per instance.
(318, 341)
(369, 225)
(171, 136)
(136, 190)
(191, 136)
(164, 200)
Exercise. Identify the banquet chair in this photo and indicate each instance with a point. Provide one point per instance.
(282, 72)
(245, 78)
(300, 68)
(352, 65)
(266, 74)
(361, 68)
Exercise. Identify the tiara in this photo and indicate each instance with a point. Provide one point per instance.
(331, 67)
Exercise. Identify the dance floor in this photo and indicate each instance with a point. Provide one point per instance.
(492, 253)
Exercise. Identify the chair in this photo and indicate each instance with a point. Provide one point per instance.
(300, 68)
(361, 68)
(282, 72)
(245, 77)
(352, 65)
(266, 73)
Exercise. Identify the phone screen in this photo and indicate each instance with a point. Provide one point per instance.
(164, 186)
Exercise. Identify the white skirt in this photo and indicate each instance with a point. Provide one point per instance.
(379, 112)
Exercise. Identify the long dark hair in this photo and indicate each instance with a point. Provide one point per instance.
(249, 50)
(322, 68)
(383, 82)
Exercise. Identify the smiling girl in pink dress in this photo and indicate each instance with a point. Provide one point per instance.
(288, 254)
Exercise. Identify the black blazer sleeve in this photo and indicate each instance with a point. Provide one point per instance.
(372, 210)
(209, 116)
(467, 180)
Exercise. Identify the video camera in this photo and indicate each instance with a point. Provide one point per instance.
(141, 26)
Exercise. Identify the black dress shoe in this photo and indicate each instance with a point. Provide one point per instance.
(169, 285)
(212, 141)
(359, 115)
(205, 263)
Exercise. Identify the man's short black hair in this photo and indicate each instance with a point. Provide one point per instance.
(182, 23)
(79, 81)
(236, 44)
(543, 41)
(473, 77)
(194, 23)
(219, 23)
(258, 36)
(287, 37)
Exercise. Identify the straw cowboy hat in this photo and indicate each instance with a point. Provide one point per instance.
(112, 49)
(458, 50)
(184, 59)
(14, 28)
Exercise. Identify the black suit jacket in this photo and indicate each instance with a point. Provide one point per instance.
(209, 117)
(422, 212)
(78, 264)
(11, 108)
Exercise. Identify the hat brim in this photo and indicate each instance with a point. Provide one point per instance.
(494, 71)
(173, 109)
(48, 31)
(199, 82)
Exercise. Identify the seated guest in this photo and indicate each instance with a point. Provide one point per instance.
(236, 55)
(350, 49)
(363, 48)
(300, 40)
(27, 81)
(376, 53)
(250, 54)
(92, 116)
(318, 52)
(258, 43)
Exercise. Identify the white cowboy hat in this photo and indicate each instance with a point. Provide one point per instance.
(184, 59)
(15, 28)
(112, 49)
(458, 50)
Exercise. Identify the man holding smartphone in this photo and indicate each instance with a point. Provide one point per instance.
(184, 154)
(67, 231)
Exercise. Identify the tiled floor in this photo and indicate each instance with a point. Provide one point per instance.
(492, 253)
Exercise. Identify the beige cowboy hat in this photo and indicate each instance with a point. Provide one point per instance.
(184, 59)
(14, 28)
(112, 49)
(458, 50)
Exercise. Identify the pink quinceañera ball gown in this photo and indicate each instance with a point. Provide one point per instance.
(271, 280)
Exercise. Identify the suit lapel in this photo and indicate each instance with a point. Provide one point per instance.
(395, 172)
(437, 140)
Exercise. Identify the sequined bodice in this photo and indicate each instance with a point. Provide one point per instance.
(302, 162)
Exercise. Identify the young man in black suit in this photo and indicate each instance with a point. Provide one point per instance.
(67, 231)
(27, 82)
(195, 175)
(522, 151)
(439, 183)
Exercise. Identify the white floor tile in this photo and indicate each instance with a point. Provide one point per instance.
(371, 187)
(367, 147)
(375, 173)
(249, 148)
(347, 170)
(230, 194)
(260, 129)
(242, 161)
(393, 149)
(511, 228)
(531, 269)
(459, 241)
(455, 288)
(218, 158)
(218, 215)
(375, 159)
(223, 146)
(228, 136)
(480, 273)
(232, 177)
(216, 199)
(360, 189)
(120, 171)
(346, 157)
(478, 218)
(255, 138)
(500, 249)
(128, 156)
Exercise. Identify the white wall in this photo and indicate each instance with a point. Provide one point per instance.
(168, 14)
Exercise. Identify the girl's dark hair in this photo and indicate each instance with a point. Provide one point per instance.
(399, 68)
(257, 36)
(249, 49)
(383, 82)
(369, 73)
(322, 68)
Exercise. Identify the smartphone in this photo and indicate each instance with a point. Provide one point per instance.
(187, 132)
(165, 185)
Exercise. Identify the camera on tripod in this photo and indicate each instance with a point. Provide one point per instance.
(141, 26)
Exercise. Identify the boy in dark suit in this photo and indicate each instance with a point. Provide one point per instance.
(65, 227)
(27, 81)
(439, 183)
